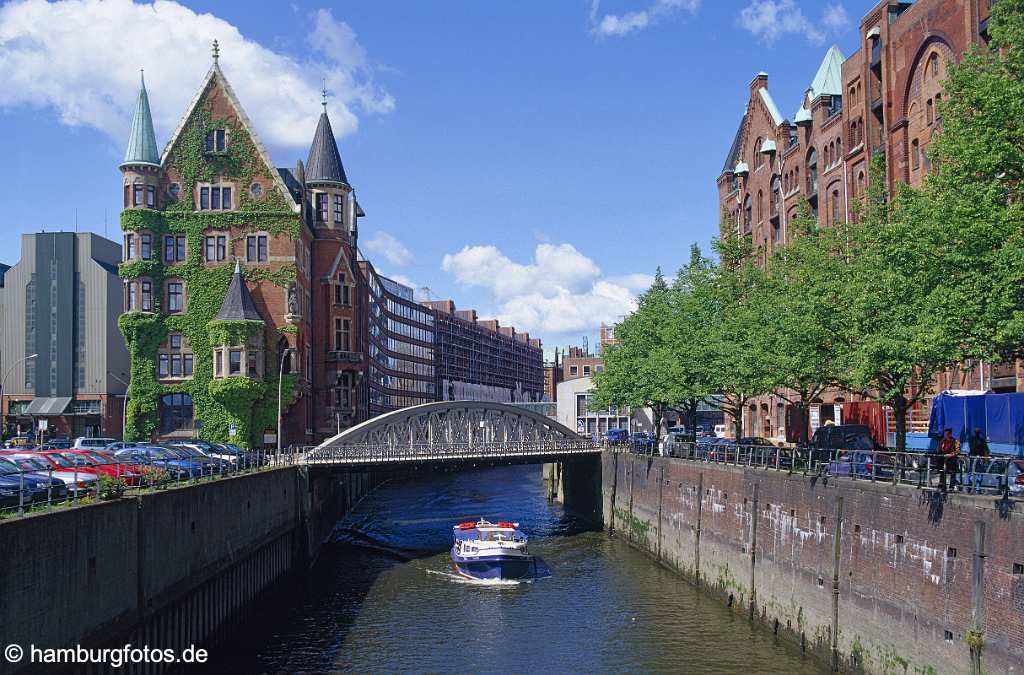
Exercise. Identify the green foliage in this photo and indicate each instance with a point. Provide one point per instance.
(250, 404)
(232, 333)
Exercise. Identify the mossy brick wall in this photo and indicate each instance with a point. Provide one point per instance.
(906, 558)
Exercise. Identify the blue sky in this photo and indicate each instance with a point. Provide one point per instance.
(533, 160)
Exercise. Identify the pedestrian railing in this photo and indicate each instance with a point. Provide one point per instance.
(421, 452)
(926, 470)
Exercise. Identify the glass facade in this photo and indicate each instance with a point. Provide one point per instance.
(400, 347)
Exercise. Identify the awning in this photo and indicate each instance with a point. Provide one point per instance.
(44, 407)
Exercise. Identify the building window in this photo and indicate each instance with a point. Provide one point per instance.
(574, 370)
(129, 247)
(586, 370)
(341, 290)
(215, 248)
(748, 214)
(137, 195)
(176, 413)
(214, 198)
(929, 112)
(339, 209)
(251, 358)
(234, 362)
(321, 207)
(129, 297)
(175, 360)
(174, 189)
(255, 189)
(151, 196)
(216, 140)
(175, 296)
(146, 244)
(812, 172)
(218, 363)
(342, 335)
(147, 296)
(256, 248)
(174, 248)
(915, 154)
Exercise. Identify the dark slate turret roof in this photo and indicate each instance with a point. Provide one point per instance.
(737, 146)
(238, 304)
(324, 162)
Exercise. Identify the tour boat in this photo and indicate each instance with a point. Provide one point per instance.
(484, 550)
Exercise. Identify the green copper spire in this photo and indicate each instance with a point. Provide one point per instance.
(142, 142)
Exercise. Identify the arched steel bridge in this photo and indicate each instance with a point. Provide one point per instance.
(452, 431)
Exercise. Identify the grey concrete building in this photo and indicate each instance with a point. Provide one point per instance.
(61, 302)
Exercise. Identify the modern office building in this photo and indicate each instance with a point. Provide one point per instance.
(61, 303)
(482, 360)
(576, 411)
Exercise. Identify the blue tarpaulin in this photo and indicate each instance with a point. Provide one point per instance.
(999, 416)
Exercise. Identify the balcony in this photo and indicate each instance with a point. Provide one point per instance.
(339, 356)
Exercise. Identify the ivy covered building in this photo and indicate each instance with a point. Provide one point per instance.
(235, 274)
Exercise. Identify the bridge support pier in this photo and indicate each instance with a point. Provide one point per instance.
(576, 484)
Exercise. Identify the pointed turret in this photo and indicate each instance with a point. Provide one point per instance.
(829, 79)
(324, 162)
(238, 304)
(142, 141)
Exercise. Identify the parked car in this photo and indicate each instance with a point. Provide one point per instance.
(38, 487)
(83, 442)
(720, 430)
(197, 453)
(642, 441)
(57, 460)
(77, 483)
(861, 464)
(147, 472)
(119, 445)
(831, 438)
(105, 467)
(616, 436)
(160, 458)
(21, 442)
(59, 443)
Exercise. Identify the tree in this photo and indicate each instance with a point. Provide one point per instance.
(898, 282)
(735, 350)
(805, 322)
(975, 196)
(637, 368)
(688, 337)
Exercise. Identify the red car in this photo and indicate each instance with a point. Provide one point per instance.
(58, 461)
(108, 459)
(104, 465)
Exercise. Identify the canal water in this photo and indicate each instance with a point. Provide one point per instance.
(383, 598)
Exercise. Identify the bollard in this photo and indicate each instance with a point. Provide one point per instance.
(21, 492)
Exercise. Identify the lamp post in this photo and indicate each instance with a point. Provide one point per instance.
(124, 405)
(280, 378)
(3, 381)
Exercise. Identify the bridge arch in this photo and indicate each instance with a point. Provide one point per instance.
(453, 423)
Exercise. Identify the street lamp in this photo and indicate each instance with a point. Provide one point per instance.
(280, 378)
(124, 405)
(3, 381)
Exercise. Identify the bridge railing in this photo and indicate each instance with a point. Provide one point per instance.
(349, 454)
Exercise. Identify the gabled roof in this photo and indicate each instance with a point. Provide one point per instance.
(238, 304)
(769, 103)
(142, 140)
(324, 161)
(737, 146)
(829, 80)
(215, 72)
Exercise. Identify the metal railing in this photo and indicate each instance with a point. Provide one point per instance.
(419, 452)
(996, 475)
(27, 492)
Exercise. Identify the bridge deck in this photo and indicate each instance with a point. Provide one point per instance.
(396, 455)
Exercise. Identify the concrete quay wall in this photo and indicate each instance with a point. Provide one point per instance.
(871, 577)
(165, 569)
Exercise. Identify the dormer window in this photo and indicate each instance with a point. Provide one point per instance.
(216, 140)
(339, 210)
(321, 207)
(151, 196)
(137, 194)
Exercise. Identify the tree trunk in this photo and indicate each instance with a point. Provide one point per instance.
(800, 411)
(899, 409)
(659, 415)
(737, 420)
(691, 419)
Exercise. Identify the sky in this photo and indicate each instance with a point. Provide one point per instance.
(534, 160)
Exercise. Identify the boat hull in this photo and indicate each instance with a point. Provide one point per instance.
(495, 567)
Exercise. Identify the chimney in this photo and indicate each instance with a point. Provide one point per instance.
(760, 81)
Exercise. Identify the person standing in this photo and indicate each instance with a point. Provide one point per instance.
(979, 454)
(949, 452)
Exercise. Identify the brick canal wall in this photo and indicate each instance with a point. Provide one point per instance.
(909, 571)
(167, 569)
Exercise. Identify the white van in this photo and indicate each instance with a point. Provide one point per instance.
(83, 443)
(720, 430)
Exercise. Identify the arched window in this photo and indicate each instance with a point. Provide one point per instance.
(933, 66)
(839, 149)
(915, 154)
(835, 205)
(747, 215)
(929, 112)
(812, 172)
(757, 153)
(776, 195)
(760, 206)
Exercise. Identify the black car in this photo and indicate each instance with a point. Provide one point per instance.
(832, 437)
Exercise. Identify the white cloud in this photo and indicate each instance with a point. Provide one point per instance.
(390, 248)
(768, 20)
(617, 25)
(561, 291)
(634, 282)
(81, 58)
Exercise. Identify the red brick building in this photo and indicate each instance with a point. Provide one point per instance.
(881, 100)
